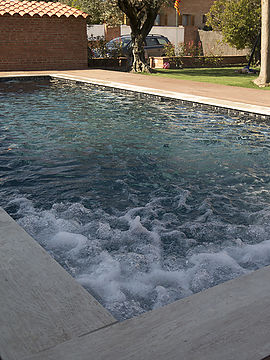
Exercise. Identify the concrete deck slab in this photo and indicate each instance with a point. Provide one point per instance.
(40, 304)
(228, 322)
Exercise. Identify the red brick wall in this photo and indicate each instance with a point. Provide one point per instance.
(42, 43)
(112, 32)
(191, 34)
(195, 6)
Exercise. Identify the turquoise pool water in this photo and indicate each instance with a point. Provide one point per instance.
(143, 202)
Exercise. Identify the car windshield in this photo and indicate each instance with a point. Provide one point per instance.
(118, 42)
(162, 41)
(151, 41)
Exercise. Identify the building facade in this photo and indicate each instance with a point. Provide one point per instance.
(41, 36)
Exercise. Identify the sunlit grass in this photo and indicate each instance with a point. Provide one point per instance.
(225, 76)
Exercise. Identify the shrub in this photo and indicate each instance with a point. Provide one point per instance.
(97, 47)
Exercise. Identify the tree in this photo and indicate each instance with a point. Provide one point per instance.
(99, 11)
(238, 21)
(141, 15)
(264, 77)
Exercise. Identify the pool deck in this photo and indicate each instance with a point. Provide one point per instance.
(46, 315)
(243, 99)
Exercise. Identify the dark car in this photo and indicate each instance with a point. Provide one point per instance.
(154, 45)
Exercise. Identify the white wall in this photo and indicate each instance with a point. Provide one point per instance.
(174, 34)
(95, 30)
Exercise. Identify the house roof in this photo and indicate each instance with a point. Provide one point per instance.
(38, 8)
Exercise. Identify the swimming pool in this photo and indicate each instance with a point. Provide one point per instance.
(142, 202)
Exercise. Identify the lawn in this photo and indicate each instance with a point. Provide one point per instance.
(226, 76)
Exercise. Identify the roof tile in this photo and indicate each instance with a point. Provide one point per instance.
(41, 8)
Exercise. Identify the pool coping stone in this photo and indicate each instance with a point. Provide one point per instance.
(204, 103)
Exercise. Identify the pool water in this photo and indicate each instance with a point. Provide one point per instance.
(143, 202)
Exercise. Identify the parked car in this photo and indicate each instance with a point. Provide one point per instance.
(154, 45)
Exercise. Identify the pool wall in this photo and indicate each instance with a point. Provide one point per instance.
(234, 109)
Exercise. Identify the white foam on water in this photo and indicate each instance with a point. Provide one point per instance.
(69, 242)
(132, 267)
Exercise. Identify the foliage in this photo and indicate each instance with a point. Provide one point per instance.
(238, 20)
(193, 50)
(169, 50)
(100, 11)
(97, 48)
(190, 49)
(184, 49)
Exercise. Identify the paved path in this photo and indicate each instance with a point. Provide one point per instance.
(257, 97)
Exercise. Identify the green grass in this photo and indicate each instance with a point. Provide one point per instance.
(225, 76)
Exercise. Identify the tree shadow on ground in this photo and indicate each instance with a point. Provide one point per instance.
(204, 72)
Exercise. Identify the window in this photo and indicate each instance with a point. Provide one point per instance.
(187, 19)
(151, 42)
(162, 41)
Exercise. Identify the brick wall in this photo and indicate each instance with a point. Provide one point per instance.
(42, 43)
(112, 32)
(191, 34)
(195, 8)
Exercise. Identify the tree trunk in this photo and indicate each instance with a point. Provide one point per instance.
(141, 15)
(139, 63)
(264, 77)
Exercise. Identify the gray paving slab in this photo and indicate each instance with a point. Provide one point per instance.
(228, 322)
(41, 305)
